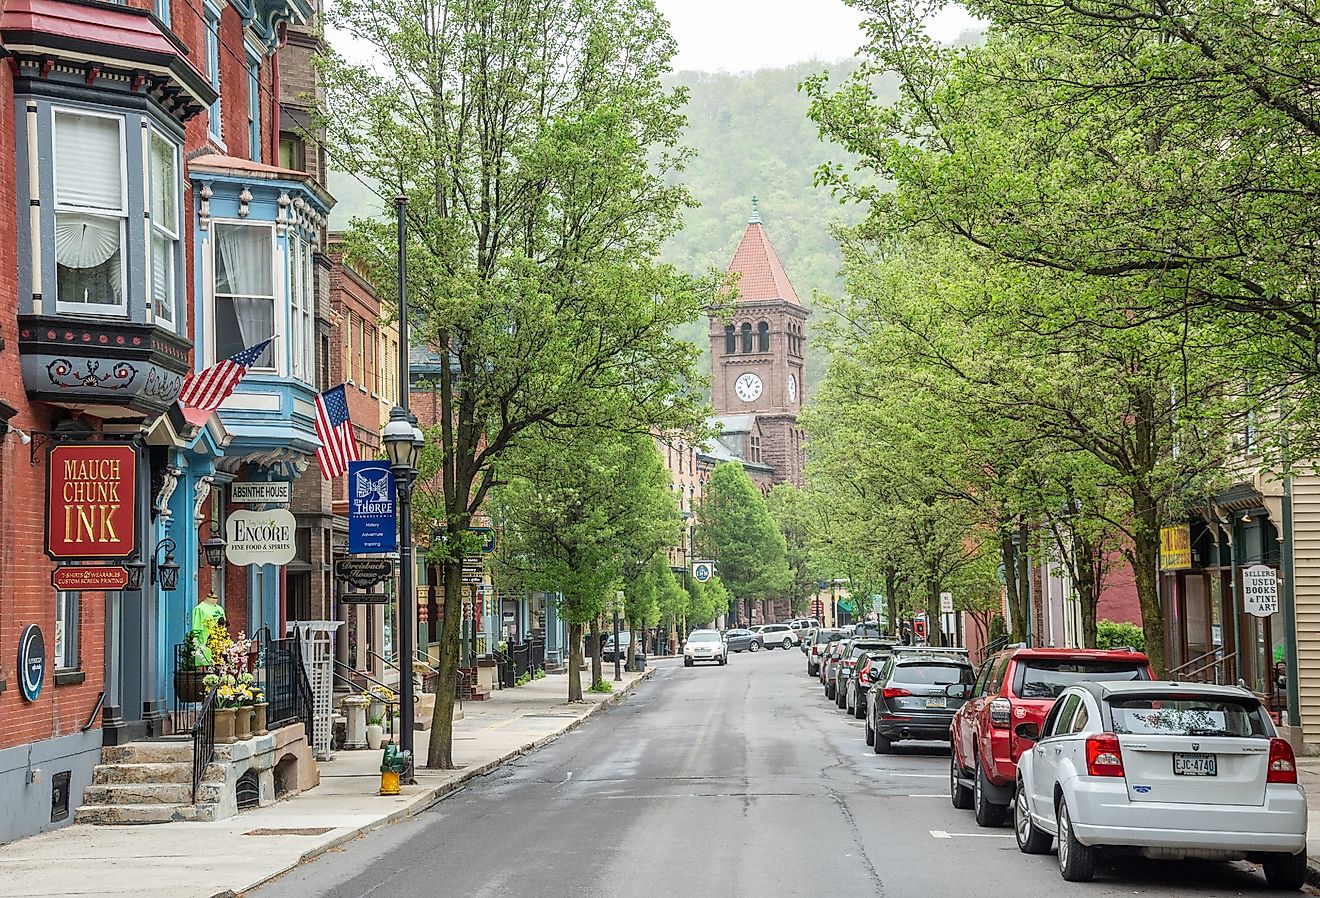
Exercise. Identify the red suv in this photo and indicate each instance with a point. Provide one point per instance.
(1017, 686)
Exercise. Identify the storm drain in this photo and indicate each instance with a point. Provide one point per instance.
(291, 831)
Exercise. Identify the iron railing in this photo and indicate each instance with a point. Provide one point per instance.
(288, 690)
(1210, 667)
(203, 740)
(520, 659)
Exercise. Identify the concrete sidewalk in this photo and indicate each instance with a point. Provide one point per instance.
(228, 857)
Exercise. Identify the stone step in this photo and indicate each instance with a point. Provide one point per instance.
(135, 814)
(139, 794)
(160, 752)
(156, 772)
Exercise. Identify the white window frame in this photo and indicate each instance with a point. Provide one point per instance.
(301, 311)
(211, 23)
(65, 642)
(119, 310)
(277, 351)
(252, 67)
(173, 231)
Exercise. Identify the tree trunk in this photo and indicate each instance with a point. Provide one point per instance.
(1087, 584)
(597, 676)
(1145, 564)
(1024, 584)
(634, 638)
(934, 620)
(440, 748)
(891, 599)
(1016, 606)
(575, 662)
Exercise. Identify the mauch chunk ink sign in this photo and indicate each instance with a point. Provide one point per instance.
(91, 501)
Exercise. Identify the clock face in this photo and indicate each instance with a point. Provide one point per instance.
(748, 387)
(792, 388)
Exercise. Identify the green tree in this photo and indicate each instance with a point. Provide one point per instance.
(537, 148)
(788, 508)
(735, 529)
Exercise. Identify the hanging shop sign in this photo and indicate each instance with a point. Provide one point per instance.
(89, 578)
(363, 573)
(260, 537)
(371, 502)
(276, 492)
(702, 571)
(1260, 590)
(31, 662)
(364, 598)
(1175, 548)
(91, 501)
(489, 541)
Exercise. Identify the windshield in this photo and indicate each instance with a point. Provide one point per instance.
(1047, 677)
(933, 674)
(704, 636)
(1191, 716)
(828, 635)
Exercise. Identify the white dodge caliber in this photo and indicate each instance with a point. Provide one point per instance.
(1168, 770)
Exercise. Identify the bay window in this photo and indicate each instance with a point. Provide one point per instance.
(90, 212)
(164, 198)
(244, 289)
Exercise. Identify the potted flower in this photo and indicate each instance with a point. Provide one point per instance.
(381, 698)
(246, 696)
(259, 708)
(227, 704)
(375, 732)
(189, 680)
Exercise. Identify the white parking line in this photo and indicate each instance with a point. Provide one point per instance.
(929, 776)
(941, 834)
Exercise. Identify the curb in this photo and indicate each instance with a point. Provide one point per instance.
(426, 799)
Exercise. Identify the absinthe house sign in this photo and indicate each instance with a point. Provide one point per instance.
(260, 537)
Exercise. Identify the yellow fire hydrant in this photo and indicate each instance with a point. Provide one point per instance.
(392, 766)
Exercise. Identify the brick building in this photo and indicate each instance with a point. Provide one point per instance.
(147, 230)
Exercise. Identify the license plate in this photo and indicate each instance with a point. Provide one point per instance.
(1185, 764)
(940, 702)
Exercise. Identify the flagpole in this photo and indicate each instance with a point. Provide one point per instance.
(407, 570)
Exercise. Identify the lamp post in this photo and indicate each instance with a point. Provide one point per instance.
(403, 446)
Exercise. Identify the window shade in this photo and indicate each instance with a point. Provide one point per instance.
(88, 162)
(164, 184)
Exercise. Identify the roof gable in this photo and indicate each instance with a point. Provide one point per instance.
(762, 274)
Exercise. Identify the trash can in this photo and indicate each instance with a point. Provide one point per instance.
(639, 662)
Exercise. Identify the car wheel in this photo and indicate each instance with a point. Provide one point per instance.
(881, 745)
(754, 646)
(787, 643)
(829, 691)
(988, 814)
(723, 660)
(960, 795)
(840, 697)
(687, 662)
(1031, 838)
(859, 709)
(870, 733)
(1285, 871)
(1076, 861)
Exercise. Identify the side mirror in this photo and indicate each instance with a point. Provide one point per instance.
(958, 690)
(1028, 730)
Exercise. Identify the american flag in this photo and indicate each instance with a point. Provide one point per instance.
(205, 390)
(335, 431)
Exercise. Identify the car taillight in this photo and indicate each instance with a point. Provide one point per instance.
(1000, 711)
(895, 692)
(1103, 755)
(1283, 764)
(850, 663)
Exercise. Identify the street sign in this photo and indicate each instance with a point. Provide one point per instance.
(31, 662)
(110, 577)
(363, 573)
(702, 571)
(363, 598)
(1260, 590)
(260, 537)
(946, 603)
(489, 541)
(277, 492)
(371, 500)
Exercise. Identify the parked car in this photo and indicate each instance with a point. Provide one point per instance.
(625, 640)
(808, 636)
(779, 636)
(865, 672)
(803, 624)
(829, 666)
(1015, 686)
(740, 640)
(915, 696)
(843, 671)
(820, 640)
(1166, 769)
(868, 628)
(705, 645)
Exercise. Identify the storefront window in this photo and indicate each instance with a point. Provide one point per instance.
(244, 290)
(65, 653)
(90, 211)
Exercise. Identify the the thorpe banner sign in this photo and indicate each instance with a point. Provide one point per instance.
(91, 501)
(371, 526)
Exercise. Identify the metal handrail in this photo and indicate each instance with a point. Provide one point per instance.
(433, 668)
(368, 677)
(203, 740)
(96, 709)
(1197, 659)
(1183, 674)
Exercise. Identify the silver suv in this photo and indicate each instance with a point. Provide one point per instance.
(780, 636)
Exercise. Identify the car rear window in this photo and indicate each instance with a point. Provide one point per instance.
(927, 674)
(1187, 716)
(828, 636)
(1047, 677)
(704, 637)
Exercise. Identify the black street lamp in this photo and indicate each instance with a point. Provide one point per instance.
(214, 548)
(165, 573)
(136, 569)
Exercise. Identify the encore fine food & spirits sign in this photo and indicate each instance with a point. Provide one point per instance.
(91, 501)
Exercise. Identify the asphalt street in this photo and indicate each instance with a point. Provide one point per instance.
(733, 781)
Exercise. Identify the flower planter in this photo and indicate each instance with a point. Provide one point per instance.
(375, 736)
(259, 719)
(189, 685)
(243, 723)
(224, 725)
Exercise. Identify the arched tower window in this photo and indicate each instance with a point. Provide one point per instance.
(730, 339)
(747, 336)
(763, 337)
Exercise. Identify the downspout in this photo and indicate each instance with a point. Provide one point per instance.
(1290, 607)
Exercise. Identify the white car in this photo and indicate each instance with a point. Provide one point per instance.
(779, 635)
(705, 645)
(1165, 769)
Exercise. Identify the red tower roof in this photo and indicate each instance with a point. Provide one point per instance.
(762, 274)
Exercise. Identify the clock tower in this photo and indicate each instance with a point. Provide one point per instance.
(757, 358)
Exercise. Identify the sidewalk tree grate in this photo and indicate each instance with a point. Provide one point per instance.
(291, 831)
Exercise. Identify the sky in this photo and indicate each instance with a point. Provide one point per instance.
(744, 35)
